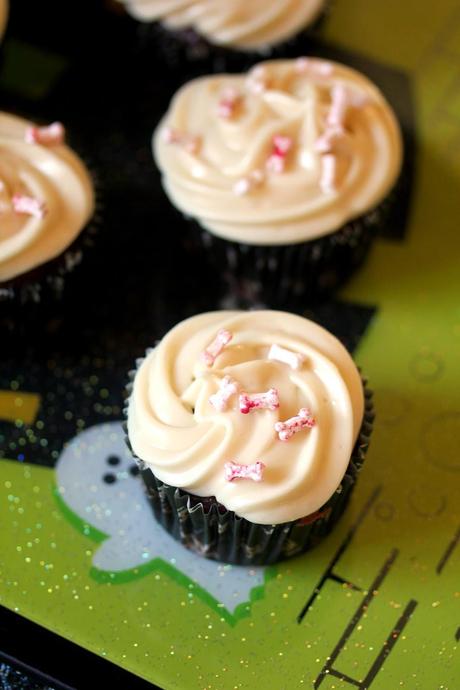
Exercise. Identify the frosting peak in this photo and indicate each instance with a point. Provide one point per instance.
(303, 147)
(302, 437)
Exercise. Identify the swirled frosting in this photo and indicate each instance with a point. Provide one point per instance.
(56, 179)
(3, 16)
(240, 24)
(186, 442)
(216, 145)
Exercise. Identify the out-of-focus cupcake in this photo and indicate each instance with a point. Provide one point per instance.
(47, 202)
(250, 429)
(3, 18)
(289, 170)
(202, 28)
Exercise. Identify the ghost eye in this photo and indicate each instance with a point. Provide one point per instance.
(109, 478)
(113, 460)
(134, 470)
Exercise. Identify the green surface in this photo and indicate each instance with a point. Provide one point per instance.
(158, 565)
(28, 71)
(153, 625)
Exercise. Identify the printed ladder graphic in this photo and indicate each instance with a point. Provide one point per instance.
(328, 668)
(329, 574)
(448, 552)
(454, 542)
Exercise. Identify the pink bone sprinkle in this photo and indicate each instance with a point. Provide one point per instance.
(325, 142)
(227, 388)
(277, 160)
(51, 134)
(328, 172)
(302, 64)
(228, 103)
(340, 103)
(342, 99)
(189, 142)
(246, 184)
(320, 68)
(234, 470)
(257, 81)
(29, 206)
(324, 68)
(281, 354)
(303, 420)
(215, 348)
(259, 401)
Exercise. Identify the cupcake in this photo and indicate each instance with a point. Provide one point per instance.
(288, 170)
(3, 16)
(202, 28)
(47, 201)
(250, 429)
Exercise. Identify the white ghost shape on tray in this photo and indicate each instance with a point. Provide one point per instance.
(99, 481)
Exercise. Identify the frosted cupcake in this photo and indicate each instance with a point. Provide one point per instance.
(202, 26)
(288, 169)
(46, 203)
(250, 428)
(3, 17)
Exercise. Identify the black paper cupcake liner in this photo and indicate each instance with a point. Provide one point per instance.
(206, 527)
(311, 270)
(187, 47)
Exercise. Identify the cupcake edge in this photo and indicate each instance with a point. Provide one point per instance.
(47, 280)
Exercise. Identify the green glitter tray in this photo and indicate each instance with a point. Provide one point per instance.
(377, 604)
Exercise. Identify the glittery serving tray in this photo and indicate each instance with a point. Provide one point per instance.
(377, 604)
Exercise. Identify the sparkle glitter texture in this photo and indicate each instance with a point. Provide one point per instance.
(13, 679)
(418, 371)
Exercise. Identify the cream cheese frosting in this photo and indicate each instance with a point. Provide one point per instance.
(52, 177)
(240, 24)
(285, 154)
(3, 16)
(186, 440)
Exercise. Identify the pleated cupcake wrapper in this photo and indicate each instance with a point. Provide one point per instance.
(186, 46)
(45, 283)
(209, 529)
(311, 270)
